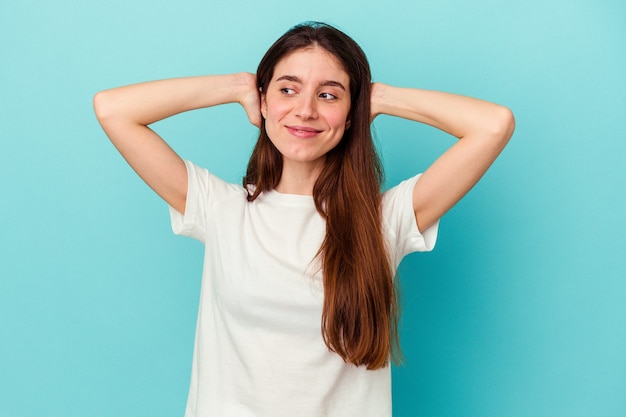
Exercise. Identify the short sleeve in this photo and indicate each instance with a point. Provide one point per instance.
(193, 222)
(403, 236)
(204, 190)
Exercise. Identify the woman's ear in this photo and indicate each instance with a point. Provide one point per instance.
(348, 123)
(263, 104)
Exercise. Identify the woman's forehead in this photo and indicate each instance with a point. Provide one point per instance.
(311, 64)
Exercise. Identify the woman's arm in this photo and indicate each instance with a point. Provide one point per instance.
(125, 113)
(483, 129)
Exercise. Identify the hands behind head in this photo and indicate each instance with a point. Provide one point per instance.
(376, 99)
(250, 99)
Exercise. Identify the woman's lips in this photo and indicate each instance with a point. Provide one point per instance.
(303, 131)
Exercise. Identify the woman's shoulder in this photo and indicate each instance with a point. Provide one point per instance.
(210, 184)
(405, 186)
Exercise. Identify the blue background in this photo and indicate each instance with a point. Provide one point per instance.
(519, 311)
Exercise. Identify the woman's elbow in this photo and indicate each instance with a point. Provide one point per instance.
(498, 126)
(102, 105)
(504, 123)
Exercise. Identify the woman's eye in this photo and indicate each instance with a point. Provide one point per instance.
(287, 91)
(328, 96)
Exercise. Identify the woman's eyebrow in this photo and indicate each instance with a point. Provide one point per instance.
(327, 83)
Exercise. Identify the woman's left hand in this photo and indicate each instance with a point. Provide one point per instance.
(375, 100)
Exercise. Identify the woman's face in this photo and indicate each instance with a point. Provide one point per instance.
(306, 105)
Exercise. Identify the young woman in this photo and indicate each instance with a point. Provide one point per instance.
(298, 309)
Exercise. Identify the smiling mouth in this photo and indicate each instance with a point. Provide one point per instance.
(303, 131)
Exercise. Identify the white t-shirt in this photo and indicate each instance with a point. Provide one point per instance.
(258, 349)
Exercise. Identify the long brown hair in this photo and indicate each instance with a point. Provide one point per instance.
(360, 315)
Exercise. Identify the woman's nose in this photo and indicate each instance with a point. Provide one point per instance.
(306, 107)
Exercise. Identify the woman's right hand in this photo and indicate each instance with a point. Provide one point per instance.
(250, 98)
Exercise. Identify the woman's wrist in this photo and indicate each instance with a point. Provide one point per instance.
(242, 84)
(379, 99)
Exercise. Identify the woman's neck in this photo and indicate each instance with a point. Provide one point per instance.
(299, 177)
